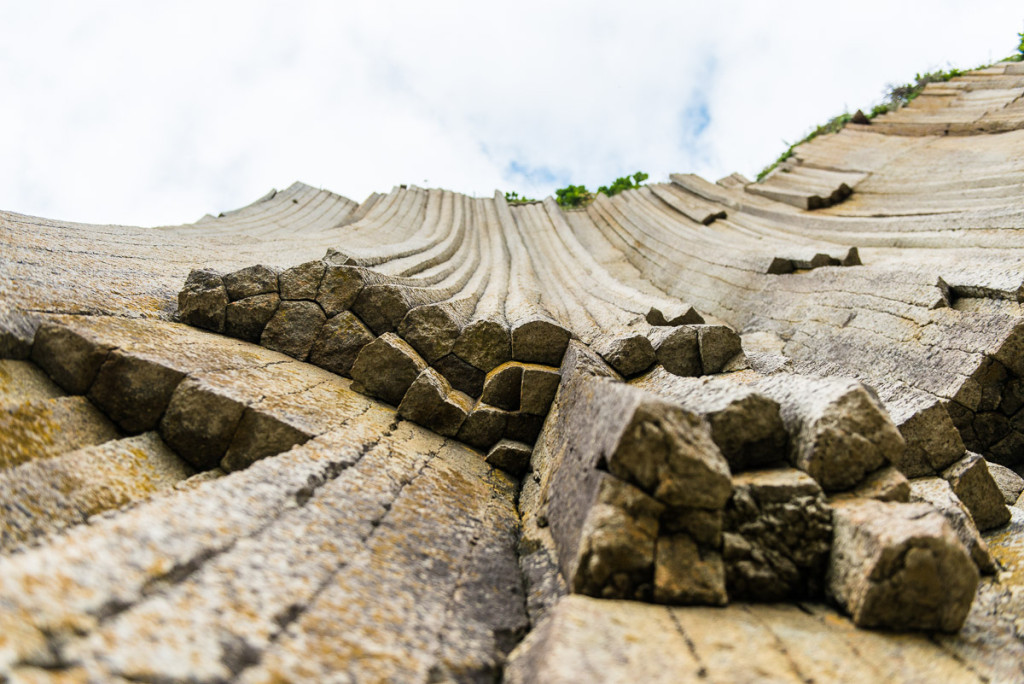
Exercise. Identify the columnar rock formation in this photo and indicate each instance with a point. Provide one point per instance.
(431, 437)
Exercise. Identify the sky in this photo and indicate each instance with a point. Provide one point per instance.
(146, 113)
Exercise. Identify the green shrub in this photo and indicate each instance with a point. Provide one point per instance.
(578, 195)
(573, 196)
(516, 198)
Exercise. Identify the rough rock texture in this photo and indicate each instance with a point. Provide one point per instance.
(899, 565)
(777, 536)
(875, 277)
(839, 433)
(974, 485)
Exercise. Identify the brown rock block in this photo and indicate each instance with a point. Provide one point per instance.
(200, 423)
(629, 355)
(616, 552)
(540, 384)
(839, 432)
(718, 345)
(339, 288)
(523, 427)
(678, 350)
(260, 434)
(503, 385)
(539, 341)
(246, 318)
(463, 376)
(778, 534)
(431, 329)
(485, 344)
(294, 328)
(681, 314)
(933, 442)
(668, 452)
(899, 566)
(745, 424)
(202, 301)
(340, 340)
(387, 367)
(885, 484)
(382, 306)
(1010, 483)
(303, 281)
(511, 456)
(68, 357)
(484, 426)
(17, 330)
(974, 486)
(686, 574)
(250, 281)
(133, 390)
(938, 493)
(431, 402)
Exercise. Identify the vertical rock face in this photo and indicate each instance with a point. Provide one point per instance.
(417, 428)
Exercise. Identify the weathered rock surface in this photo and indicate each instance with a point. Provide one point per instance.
(899, 566)
(974, 485)
(777, 536)
(839, 433)
(347, 543)
(938, 493)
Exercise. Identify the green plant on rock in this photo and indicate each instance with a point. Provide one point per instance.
(573, 196)
(1020, 49)
(624, 183)
(578, 195)
(516, 198)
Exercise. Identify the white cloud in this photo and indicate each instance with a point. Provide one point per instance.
(143, 113)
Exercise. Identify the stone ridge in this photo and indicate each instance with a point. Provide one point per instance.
(470, 422)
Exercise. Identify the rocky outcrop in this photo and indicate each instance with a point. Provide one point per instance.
(314, 439)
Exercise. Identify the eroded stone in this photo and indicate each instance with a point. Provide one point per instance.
(899, 566)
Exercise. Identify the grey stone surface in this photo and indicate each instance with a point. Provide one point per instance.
(419, 564)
